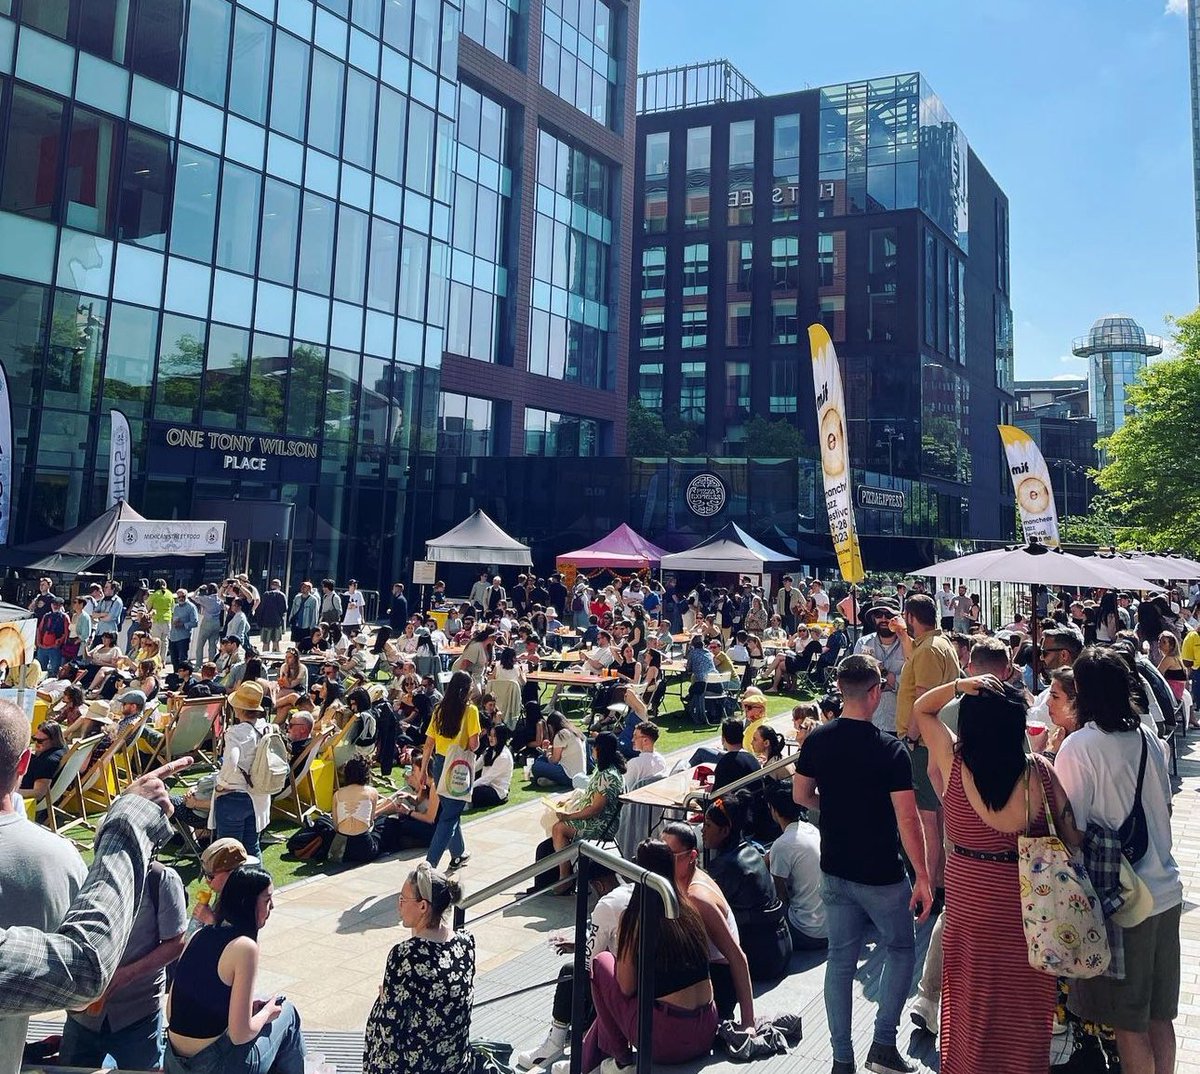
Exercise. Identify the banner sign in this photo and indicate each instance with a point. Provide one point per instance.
(120, 456)
(880, 499)
(220, 453)
(6, 477)
(170, 538)
(424, 572)
(835, 456)
(1031, 483)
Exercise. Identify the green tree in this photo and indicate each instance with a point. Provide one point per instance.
(1151, 478)
(646, 434)
(1097, 527)
(766, 439)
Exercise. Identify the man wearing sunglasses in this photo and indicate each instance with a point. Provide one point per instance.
(1058, 649)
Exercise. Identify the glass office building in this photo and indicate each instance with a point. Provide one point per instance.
(231, 222)
(859, 206)
(1116, 349)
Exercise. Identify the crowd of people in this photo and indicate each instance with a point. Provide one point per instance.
(936, 742)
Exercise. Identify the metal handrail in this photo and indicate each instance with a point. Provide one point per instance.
(698, 797)
(582, 853)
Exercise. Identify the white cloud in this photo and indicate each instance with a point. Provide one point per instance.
(1176, 7)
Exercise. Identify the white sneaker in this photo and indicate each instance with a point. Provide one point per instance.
(611, 1066)
(924, 1014)
(556, 1040)
(563, 1066)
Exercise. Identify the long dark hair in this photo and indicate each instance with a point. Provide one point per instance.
(773, 739)
(238, 905)
(507, 658)
(1104, 690)
(448, 716)
(1150, 622)
(991, 743)
(503, 734)
(732, 813)
(1107, 613)
(608, 752)
(682, 942)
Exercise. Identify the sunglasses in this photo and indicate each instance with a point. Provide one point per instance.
(1047, 652)
(40, 738)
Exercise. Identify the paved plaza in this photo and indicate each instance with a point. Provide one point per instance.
(329, 939)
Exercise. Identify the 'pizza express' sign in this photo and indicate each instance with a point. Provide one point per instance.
(219, 452)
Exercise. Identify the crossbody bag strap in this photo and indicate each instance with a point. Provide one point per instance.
(1137, 794)
(1047, 809)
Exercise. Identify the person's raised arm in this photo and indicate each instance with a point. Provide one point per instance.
(912, 837)
(42, 971)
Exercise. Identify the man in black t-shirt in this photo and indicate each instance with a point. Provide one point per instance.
(861, 780)
(735, 762)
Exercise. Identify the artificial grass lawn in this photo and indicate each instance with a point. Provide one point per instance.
(677, 732)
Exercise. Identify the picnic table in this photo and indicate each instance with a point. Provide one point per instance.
(567, 678)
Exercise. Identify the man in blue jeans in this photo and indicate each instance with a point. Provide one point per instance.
(860, 778)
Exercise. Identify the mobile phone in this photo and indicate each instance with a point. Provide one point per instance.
(280, 999)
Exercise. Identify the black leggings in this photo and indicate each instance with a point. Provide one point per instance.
(561, 1012)
(485, 797)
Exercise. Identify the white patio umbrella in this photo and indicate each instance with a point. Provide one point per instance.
(1036, 564)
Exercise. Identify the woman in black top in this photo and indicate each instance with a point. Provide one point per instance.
(214, 1023)
(48, 750)
(741, 873)
(685, 1017)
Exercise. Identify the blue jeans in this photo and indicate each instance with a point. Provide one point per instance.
(544, 768)
(233, 815)
(849, 909)
(136, 1047)
(279, 1048)
(50, 659)
(447, 831)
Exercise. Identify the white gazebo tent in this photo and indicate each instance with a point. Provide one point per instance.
(478, 540)
(730, 550)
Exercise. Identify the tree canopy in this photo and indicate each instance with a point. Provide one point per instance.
(1151, 475)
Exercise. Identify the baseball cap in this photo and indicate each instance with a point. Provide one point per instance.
(225, 855)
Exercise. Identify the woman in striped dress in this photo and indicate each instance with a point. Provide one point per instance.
(997, 1011)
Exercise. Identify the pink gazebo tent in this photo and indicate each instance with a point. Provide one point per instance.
(623, 547)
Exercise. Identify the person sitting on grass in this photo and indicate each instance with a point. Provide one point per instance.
(406, 819)
(596, 817)
(492, 784)
(563, 755)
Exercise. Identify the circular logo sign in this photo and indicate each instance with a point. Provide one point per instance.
(705, 495)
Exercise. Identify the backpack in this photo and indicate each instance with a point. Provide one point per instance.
(577, 602)
(269, 770)
(367, 730)
(52, 629)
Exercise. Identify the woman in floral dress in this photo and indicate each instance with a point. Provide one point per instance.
(421, 1022)
(600, 803)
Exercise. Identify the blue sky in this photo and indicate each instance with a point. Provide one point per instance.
(1079, 108)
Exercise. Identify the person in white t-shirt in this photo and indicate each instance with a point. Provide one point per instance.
(612, 899)
(1098, 766)
(649, 763)
(352, 616)
(820, 598)
(945, 606)
(601, 657)
(795, 863)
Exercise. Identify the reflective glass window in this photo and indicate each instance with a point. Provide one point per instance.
(695, 269)
(577, 60)
(785, 263)
(414, 270)
(351, 262)
(250, 72)
(426, 32)
(193, 219)
(389, 149)
(785, 326)
(741, 173)
(785, 200)
(341, 395)
(418, 169)
(385, 262)
(289, 85)
(694, 324)
(146, 177)
(464, 425)
(650, 385)
(225, 376)
(692, 392)
(102, 29)
(23, 323)
(397, 24)
(236, 245)
(738, 324)
(697, 202)
(180, 369)
(490, 23)
(654, 211)
(280, 232)
(73, 364)
(325, 103)
(130, 358)
(52, 17)
(316, 244)
(269, 362)
(784, 377)
(157, 39)
(209, 25)
(34, 152)
(882, 283)
(658, 148)
(367, 14)
(306, 390)
(358, 146)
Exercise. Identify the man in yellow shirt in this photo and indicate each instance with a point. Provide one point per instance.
(929, 660)
(1190, 655)
(160, 601)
